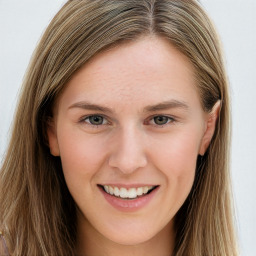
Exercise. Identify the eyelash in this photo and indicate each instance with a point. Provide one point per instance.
(170, 121)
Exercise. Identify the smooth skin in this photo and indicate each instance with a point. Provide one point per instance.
(131, 115)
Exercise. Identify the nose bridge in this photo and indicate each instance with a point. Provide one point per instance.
(129, 152)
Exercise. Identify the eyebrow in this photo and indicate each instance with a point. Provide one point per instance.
(90, 106)
(167, 105)
(171, 104)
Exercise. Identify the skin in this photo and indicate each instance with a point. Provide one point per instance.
(130, 147)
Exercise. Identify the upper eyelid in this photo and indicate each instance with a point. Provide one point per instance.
(164, 115)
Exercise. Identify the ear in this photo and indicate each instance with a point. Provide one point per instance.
(210, 127)
(52, 137)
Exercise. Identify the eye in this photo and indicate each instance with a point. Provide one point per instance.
(161, 120)
(95, 120)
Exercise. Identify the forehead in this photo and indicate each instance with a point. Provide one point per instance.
(149, 69)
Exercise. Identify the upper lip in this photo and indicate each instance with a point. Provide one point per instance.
(127, 186)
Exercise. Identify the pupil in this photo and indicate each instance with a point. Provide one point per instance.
(97, 120)
(160, 120)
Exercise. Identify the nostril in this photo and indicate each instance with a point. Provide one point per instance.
(128, 154)
(127, 163)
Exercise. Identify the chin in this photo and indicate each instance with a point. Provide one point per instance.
(130, 239)
(131, 235)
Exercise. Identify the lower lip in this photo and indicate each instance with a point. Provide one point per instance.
(131, 205)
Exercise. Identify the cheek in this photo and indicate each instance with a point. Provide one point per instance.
(82, 157)
(177, 152)
(173, 157)
(176, 158)
(80, 154)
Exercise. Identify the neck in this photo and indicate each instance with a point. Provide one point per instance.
(92, 243)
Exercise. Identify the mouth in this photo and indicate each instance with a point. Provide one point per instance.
(127, 193)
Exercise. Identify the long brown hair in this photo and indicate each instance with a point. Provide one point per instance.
(37, 212)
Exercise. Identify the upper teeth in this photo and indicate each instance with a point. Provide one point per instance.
(127, 193)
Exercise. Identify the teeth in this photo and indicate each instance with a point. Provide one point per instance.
(106, 189)
(116, 191)
(127, 193)
(123, 193)
(145, 190)
(111, 190)
(139, 191)
(132, 193)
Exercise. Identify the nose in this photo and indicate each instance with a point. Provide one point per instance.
(129, 152)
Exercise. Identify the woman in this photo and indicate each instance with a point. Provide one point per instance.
(121, 137)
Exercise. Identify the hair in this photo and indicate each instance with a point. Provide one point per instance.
(37, 211)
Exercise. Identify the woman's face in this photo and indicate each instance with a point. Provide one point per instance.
(128, 122)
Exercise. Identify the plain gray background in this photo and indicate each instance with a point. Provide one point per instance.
(22, 22)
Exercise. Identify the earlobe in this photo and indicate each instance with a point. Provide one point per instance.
(210, 127)
(52, 138)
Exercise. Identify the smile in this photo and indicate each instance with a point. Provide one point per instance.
(131, 193)
(128, 198)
